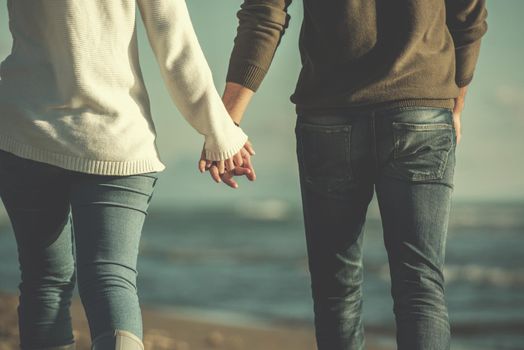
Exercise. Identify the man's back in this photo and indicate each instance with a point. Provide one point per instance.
(358, 53)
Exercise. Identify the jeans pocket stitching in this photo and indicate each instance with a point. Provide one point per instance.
(421, 127)
(328, 129)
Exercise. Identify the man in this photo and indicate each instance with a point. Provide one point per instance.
(379, 100)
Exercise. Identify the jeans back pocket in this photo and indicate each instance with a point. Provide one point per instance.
(324, 155)
(421, 150)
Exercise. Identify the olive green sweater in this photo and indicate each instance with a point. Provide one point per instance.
(365, 53)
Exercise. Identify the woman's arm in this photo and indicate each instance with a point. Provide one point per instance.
(188, 77)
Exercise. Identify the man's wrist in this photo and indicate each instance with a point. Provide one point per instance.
(236, 99)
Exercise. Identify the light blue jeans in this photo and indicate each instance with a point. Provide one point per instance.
(60, 217)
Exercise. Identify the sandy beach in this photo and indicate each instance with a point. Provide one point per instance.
(165, 331)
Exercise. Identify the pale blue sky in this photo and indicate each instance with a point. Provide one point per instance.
(490, 161)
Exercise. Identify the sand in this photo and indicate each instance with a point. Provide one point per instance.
(164, 330)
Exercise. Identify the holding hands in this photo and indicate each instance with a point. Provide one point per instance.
(236, 99)
(224, 171)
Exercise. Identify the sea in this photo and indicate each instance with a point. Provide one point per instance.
(247, 265)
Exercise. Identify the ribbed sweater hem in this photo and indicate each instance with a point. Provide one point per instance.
(322, 110)
(90, 166)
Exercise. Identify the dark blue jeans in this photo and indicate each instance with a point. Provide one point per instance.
(406, 155)
(59, 217)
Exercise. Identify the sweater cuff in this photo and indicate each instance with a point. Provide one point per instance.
(464, 82)
(246, 74)
(233, 142)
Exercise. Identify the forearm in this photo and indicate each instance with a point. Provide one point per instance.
(460, 99)
(236, 98)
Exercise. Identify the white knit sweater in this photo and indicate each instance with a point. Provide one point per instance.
(72, 92)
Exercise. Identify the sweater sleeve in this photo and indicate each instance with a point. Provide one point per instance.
(188, 76)
(262, 24)
(466, 21)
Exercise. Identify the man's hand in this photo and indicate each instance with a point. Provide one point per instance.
(457, 111)
(246, 170)
(222, 172)
(222, 165)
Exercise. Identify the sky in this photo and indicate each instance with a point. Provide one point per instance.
(490, 160)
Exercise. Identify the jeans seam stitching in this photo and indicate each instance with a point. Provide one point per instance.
(422, 127)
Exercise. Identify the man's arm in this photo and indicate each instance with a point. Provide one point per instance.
(466, 20)
(261, 25)
(236, 99)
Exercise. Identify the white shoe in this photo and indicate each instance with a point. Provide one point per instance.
(117, 340)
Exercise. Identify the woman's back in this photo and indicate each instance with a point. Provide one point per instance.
(78, 49)
(72, 93)
(73, 79)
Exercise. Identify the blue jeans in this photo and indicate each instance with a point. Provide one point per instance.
(406, 155)
(60, 217)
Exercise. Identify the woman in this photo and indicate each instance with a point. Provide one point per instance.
(78, 159)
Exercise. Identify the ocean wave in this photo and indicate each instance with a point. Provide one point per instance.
(495, 276)
(265, 210)
(477, 274)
